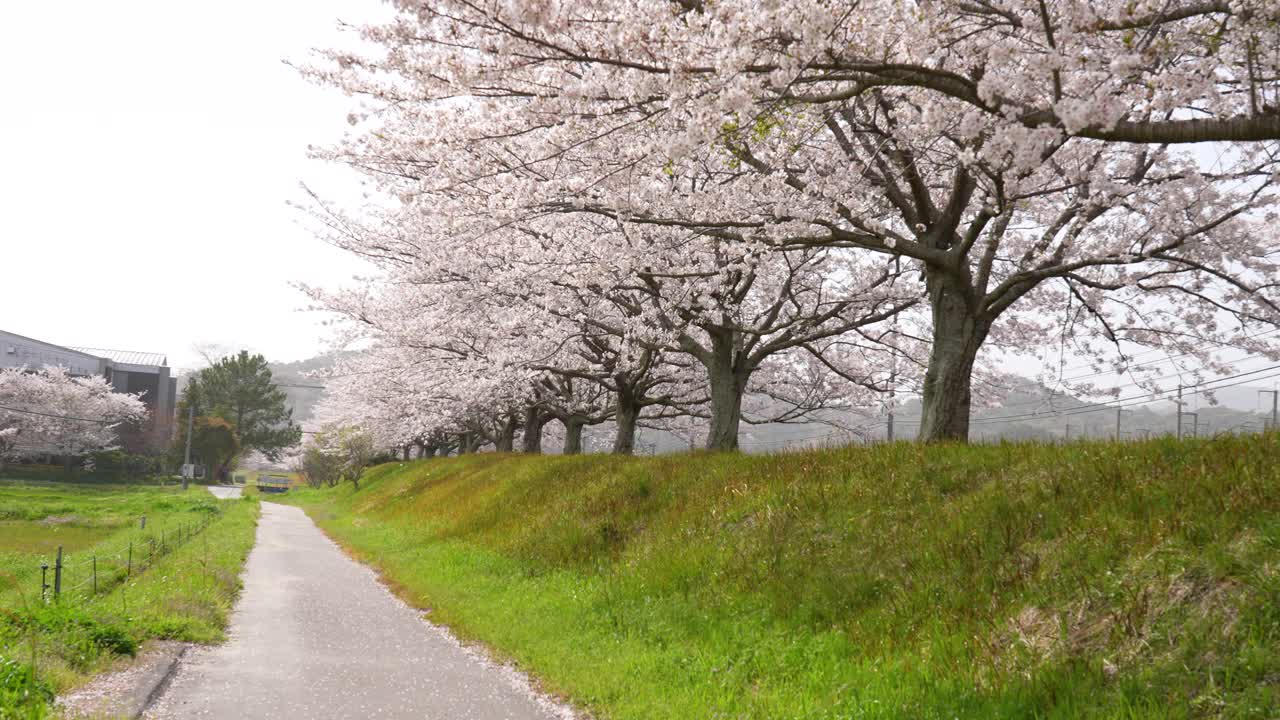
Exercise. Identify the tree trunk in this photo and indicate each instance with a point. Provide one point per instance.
(428, 451)
(573, 436)
(728, 383)
(533, 422)
(406, 452)
(464, 443)
(624, 439)
(507, 434)
(958, 334)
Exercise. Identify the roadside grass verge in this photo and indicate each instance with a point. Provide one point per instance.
(179, 582)
(1091, 580)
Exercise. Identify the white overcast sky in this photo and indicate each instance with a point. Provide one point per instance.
(147, 150)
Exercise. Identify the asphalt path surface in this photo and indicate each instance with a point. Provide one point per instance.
(315, 635)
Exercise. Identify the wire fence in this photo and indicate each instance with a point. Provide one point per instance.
(86, 574)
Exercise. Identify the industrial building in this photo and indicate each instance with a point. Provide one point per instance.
(127, 371)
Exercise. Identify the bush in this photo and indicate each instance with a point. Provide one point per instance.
(108, 466)
(90, 636)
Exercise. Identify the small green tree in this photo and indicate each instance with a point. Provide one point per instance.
(319, 467)
(239, 389)
(356, 450)
(215, 442)
(335, 454)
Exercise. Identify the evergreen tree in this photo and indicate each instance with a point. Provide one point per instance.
(239, 389)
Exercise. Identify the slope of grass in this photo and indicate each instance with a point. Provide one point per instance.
(178, 583)
(1020, 581)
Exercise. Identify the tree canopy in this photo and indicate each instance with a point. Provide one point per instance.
(50, 410)
(215, 442)
(240, 390)
(744, 211)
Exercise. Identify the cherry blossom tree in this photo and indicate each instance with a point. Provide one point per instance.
(50, 410)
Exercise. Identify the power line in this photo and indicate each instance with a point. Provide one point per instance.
(1116, 404)
(1131, 401)
(59, 417)
(1154, 362)
(1055, 394)
(1143, 399)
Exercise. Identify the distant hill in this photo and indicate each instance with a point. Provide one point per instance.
(304, 392)
(1033, 412)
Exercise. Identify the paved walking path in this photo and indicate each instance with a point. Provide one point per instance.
(316, 636)
(223, 492)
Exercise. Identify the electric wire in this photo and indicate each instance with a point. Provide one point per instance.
(59, 417)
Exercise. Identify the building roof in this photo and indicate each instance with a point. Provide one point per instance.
(67, 348)
(128, 357)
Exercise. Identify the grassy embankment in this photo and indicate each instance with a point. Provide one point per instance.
(1021, 581)
(181, 587)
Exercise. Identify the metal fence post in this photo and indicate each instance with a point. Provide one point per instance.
(44, 582)
(57, 575)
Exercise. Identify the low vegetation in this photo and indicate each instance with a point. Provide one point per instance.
(1092, 580)
(109, 468)
(122, 583)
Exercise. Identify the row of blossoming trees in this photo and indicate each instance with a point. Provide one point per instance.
(642, 210)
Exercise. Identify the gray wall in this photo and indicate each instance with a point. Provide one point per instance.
(17, 351)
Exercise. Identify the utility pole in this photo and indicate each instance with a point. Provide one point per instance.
(1275, 403)
(1195, 428)
(1067, 436)
(893, 381)
(1179, 412)
(186, 458)
(893, 376)
(1118, 411)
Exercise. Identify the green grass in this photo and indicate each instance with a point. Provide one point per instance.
(178, 582)
(1091, 580)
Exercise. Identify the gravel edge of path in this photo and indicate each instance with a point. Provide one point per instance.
(129, 691)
